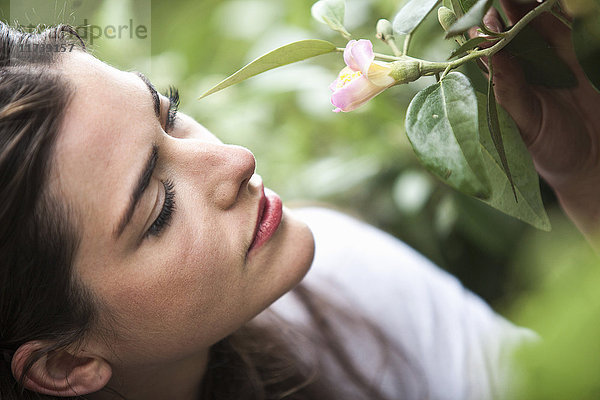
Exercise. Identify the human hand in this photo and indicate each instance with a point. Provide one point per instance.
(561, 127)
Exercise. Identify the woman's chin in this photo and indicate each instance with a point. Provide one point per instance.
(304, 242)
(287, 256)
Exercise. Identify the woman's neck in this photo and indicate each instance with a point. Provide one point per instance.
(179, 380)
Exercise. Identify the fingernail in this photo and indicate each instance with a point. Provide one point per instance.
(493, 24)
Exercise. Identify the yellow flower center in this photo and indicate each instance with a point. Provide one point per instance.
(347, 77)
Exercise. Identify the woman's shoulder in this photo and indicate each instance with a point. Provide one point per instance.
(336, 232)
(350, 250)
(379, 270)
(461, 343)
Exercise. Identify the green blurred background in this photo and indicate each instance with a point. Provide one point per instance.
(361, 162)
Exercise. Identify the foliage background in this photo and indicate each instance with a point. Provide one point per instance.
(362, 163)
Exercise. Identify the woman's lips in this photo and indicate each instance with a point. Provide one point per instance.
(269, 218)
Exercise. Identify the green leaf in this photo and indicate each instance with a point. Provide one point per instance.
(530, 208)
(494, 127)
(540, 63)
(467, 4)
(468, 45)
(442, 126)
(472, 18)
(290, 53)
(458, 8)
(411, 15)
(330, 12)
(586, 40)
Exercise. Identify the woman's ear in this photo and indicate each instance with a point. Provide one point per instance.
(60, 373)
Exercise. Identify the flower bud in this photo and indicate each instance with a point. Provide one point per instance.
(384, 30)
(405, 71)
(446, 17)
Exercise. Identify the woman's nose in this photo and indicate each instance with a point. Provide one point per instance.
(224, 170)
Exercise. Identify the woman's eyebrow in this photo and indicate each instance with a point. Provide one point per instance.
(153, 92)
(138, 191)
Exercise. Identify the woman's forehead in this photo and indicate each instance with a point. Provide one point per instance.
(104, 131)
(92, 78)
(101, 117)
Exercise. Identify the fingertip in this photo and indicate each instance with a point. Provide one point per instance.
(515, 10)
(473, 32)
(493, 21)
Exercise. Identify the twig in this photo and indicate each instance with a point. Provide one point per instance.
(407, 40)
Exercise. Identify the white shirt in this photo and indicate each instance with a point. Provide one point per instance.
(459, 348)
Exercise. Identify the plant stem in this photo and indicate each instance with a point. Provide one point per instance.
(395, 49)
(346, 36)
(561, 18)
(428, 68)
(508, 36)
(488, 32)
(342, 31)
(406, 44)
(445, 72)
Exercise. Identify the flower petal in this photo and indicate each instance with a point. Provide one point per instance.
(334, 85)
(348, 59)
(362, 53)
(379, 74)
(345, 76)
(354, 94)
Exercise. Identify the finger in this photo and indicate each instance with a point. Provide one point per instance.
(492, 21)
(512, 91)
(515, 10)
(516, 96)
(552, 30)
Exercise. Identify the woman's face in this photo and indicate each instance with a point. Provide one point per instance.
(176, 276)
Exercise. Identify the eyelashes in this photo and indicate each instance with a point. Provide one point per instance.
(166, 213)
(173, 95)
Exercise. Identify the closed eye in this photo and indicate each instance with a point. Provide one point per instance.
(166, 213)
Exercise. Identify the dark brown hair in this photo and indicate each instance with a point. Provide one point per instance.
(40, 298)
(258, 363)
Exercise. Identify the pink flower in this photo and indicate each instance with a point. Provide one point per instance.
(362, 78)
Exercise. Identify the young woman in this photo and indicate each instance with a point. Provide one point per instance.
(141, 258)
